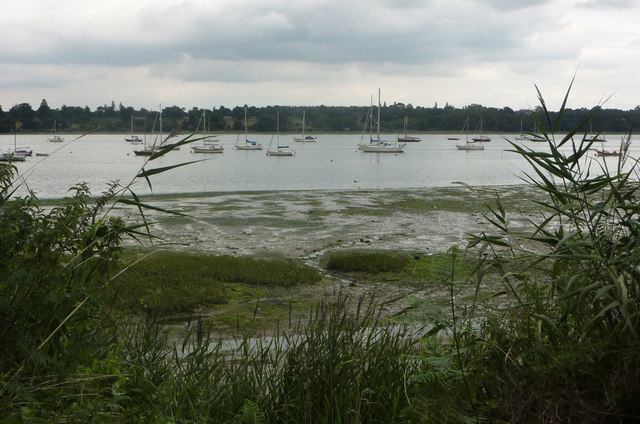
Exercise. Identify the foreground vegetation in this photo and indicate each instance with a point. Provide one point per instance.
(554, 337)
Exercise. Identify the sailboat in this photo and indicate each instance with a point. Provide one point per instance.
(133, 138)
(377, 145)
(624, 146)
(522, 136)
(248, 144)
(55, 138)
(481, 137)
(407, 138)
(305, 138)
(469, 145)
(280, 150)
(14, 156)
(148, 150)
(594, 137)
(457, 137)
(530, 137)
(209, 143)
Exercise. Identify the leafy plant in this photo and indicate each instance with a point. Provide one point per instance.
(560, 342)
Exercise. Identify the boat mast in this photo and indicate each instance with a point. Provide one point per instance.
(378, 115)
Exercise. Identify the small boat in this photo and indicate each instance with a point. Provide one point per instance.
(595, 137)
(305, 138)
(19, 154)
(377, 145)
(590, 136)
(248, 144)
(23, 151)
(469, 145)
(279, 150)
(134, 138)
(480, 138)
(457, 137)
(209, 143)
(11, 157)
(148, 150)
(208, 147)
(624, 146)
(54, 137)
(522, 136)
(530, 136)
(407, 138)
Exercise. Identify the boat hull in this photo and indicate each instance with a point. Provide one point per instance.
(143, 152)
(207, 149)
(280, 153)
(381, 148)
(469, 147)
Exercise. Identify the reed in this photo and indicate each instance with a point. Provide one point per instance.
(559, 341)
(365, 261)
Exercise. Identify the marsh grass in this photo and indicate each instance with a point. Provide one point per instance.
(372, 262)
(173, 282)
(332, 366)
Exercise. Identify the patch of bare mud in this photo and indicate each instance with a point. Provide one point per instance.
(301, 224)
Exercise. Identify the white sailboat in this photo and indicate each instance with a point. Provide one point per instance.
(54, 137)
(305, 138)
(469, 145)
(134, 138)
(279, 150)
(16, 155)
(209, 142)
(148, 150)
(377, 145)
(248, 144)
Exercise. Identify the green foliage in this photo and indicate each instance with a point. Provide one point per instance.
(560, 341)
(175, 282)
(365, 261)
(53, 267)
(117, 118)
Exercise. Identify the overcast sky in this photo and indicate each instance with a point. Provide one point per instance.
(208, 53)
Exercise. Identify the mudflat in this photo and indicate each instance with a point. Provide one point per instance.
(306, 224)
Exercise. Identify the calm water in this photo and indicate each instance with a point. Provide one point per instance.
(331, 163)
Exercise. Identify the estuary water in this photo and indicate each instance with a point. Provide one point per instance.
(331, 163)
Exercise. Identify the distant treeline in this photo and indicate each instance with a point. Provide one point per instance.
(111, 118)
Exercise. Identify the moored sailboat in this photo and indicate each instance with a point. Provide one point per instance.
(248, 144)
(134, 138)
(54, 137)
(209, 143)
(280, 150)
(305, 138)
(377, 145)
(469, 145)
(407, 138)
